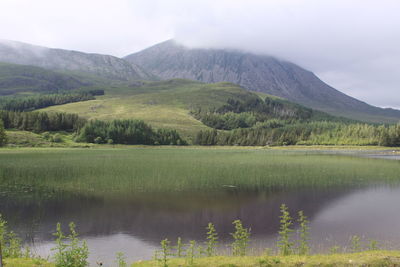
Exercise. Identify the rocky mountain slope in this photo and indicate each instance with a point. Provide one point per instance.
(257, 73)
(73, 61)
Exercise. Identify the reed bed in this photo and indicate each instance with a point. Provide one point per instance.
(171, 169)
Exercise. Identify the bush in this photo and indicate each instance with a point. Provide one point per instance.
(70, 251)
(11, 244)
(57, 138)
(241, 238)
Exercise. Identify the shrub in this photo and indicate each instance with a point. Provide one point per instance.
(70, 251)
(11, 244)
(241, 238)
(191, 253)
(212, 240)
(303, 247)
(284, 244)
(165, 252)
(121, 260)
(57, 138)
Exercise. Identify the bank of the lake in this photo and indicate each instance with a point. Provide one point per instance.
(369, 258)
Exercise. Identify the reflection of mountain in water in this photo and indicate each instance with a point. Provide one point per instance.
(153, 217)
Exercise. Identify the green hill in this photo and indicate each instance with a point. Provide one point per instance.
(170, 104)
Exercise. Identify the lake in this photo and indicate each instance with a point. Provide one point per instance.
(134, 221)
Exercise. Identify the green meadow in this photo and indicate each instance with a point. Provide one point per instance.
(124, 170)
(164, 104)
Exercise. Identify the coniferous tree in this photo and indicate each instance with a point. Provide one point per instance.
(3, 137)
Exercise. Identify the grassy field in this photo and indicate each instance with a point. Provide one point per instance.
(171, 169)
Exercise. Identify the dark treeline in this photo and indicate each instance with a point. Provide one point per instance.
(312, 133)
(29, 103)
(3, 137)
(41, 121)
(127, 132)
(253, 111)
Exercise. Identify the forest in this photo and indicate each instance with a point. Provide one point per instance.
(29, 103)
(253, 111)
(127, 132)
(41, 121)
(311, 133)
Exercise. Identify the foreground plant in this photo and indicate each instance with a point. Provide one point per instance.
(373, 244)
(241, 238)
(179, 248)
(303, 247)
(10, 244)
(165, 252)
(191, 253)
(355, 244)
(121, 259)
(70, 251)
(212, 240)
(284, 244)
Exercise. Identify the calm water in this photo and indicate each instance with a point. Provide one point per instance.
(136, 225)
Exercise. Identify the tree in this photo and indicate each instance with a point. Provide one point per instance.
(3, 137)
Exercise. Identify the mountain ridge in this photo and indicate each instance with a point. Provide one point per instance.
(69, 60)
(254, 72)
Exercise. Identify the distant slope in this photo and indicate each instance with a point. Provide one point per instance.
(64, 60)
(257, 73)
(168, 104)
(20, 78)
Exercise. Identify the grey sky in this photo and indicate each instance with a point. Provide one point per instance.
(353, 45)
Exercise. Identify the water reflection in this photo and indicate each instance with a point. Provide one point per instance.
(136, 224)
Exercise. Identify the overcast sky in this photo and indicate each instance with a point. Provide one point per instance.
(353, 45)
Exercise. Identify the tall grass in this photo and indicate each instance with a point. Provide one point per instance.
(109, 171)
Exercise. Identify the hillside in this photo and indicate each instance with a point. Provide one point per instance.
(168, 104)
(21, 78)
(73, 61)
(256, 73)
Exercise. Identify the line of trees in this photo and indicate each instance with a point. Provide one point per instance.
(3, 137)
(29, 103)
(41, 121)
(127, 132)
(251, 111)
(312, 133)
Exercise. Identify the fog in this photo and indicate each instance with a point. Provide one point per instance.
(353, 45)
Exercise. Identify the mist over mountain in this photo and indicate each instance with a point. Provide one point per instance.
(257, 73)
(65, 60)
(169, 60)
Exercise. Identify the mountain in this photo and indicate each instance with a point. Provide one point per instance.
(256, 73)
(72, 61)
(21, 78)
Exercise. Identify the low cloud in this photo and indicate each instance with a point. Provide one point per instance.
(353, 45)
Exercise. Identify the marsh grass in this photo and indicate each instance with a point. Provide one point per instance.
(123, 171)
